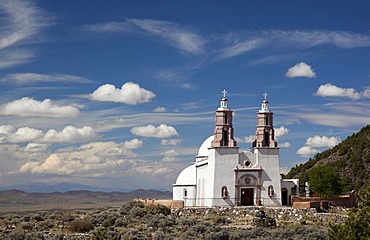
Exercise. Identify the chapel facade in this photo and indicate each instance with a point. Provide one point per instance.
(222, 175)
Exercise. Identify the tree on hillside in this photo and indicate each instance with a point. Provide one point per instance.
(357, 225)
(325, 181)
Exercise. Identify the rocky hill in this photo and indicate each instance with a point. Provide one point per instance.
(351, 158)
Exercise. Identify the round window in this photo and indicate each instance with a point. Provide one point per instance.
(247, 180)
(247, 163)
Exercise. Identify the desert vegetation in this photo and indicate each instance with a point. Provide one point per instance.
(133, 220)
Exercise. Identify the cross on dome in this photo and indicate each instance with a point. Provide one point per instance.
(265, 95)
(224, 93)
(223, 103)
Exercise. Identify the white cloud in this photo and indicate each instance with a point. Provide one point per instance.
(24, 22)
(160, 110)
(317, 142)
(306, 39)
(284, 144)
(285, 170)
(170, 156)
(184, 39)
(7, 129)
(81, 161)
(95, 159)
(240, 48)
(301, 70)
(281, 131)
(13, 57)
(36, 147)
(69, 134)
(162, 131)
(133, 144)
(151, 170)
(31, 78)
(322, 141)
(170, 142)
(130, 93)
(171, 153)
(330, 90)
(31, 107)
(25, 134)
(171, 159)
(248, 139)
(307, 151)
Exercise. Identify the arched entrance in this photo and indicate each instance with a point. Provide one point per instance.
(246, 190)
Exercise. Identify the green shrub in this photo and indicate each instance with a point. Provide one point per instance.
(157, 209)
(81, 226)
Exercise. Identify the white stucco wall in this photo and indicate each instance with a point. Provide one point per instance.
(268, 159)
(226, 160)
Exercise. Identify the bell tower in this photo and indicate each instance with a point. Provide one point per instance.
(224, 131)
(265, 135)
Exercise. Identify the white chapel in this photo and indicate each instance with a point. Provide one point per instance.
(222, 175)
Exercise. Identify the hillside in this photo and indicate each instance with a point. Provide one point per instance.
(351, 158)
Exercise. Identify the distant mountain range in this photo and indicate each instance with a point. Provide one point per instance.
(33, 187)
(16, 200)
(350, 158)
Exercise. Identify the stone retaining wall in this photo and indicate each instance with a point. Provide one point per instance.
(282, 215)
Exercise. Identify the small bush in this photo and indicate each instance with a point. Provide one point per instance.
(137, 212)
(81, 226)
(157, 209)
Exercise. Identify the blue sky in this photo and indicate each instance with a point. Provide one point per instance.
(121, 94)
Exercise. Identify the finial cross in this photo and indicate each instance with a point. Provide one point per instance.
(224, 92)
(265, 95)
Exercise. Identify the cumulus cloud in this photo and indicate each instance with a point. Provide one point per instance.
(24, 134)
(317, 142)
(95, 159)
(82, 160)
(248, 139)
(170, 142)
(322, 141)
(6, 130)
(133, 144)
(170, 156)
(162, 131)
(284, 170)
(281, 131)
(129, 93)
(160, 110)
(31, 107)
(284, 145)
(32, 78)
(152, 170)
(307, 151)
(36, 147)
(171, 153)
(69, 134)
(301, 70)
(330, 90)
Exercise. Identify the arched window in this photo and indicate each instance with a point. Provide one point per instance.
(271, 191)
(224, 192)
